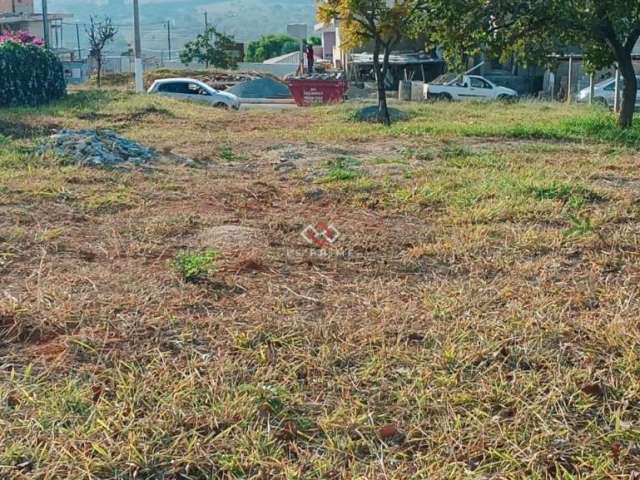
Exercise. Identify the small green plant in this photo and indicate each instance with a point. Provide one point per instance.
(555, 191)
(342, 169)
(455, 151)
(227, 154)
(580, 226)
(195, 266)
(574, 196)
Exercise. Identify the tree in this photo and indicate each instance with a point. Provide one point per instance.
(606, 30)
(31, 74)
(270, 46)
(211, 48)
(100, 33)
(384, 22)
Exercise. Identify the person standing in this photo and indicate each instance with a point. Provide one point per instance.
(310, 58)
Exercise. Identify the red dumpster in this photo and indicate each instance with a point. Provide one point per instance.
(313, 92)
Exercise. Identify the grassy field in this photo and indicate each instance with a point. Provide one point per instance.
(477, 317)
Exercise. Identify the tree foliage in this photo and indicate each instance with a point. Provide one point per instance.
(606, 30)
(100, 33)
(384, 22)
(211, 48)
(31, 75)
(270, 46)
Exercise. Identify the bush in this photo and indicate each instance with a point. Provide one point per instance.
(195, 266)
(31, 75)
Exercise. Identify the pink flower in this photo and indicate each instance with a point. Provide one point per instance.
(24, 38)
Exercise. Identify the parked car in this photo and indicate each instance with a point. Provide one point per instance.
(605, 92)
(467, 87)
(194, 91)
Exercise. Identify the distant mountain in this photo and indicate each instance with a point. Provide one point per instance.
(245, 19)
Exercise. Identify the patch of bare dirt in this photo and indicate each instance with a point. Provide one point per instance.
(232, 237)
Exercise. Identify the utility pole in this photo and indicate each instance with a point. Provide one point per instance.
(139, 67)
(169, 37)
(78, 40)
(570, 80)
(45, 23)
(206, 22)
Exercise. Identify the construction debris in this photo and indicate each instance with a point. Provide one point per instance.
(98, 148)
(318, 76)
(218, 79)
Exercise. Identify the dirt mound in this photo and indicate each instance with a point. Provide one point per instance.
(261, 88)
(370, 114)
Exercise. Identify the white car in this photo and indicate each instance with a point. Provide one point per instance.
(194, 91)
(605, 92)
(467, 87)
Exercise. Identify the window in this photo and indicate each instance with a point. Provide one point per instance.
(195, 89)
(612, 86)
(171, 88)
(479, 83)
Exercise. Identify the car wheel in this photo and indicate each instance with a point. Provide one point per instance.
(222, 105)
(445, 97)
(507, 98)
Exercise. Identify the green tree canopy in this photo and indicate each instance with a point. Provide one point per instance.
(606, 30)
(384, 22)
(270, 46)
(211, 48)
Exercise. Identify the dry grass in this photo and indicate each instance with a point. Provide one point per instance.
(476, 318)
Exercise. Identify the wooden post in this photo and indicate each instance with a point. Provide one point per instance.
(570, 79)
(592, 87)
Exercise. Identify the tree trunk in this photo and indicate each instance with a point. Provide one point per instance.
(629, 93)
(383, 110)
(99, 66)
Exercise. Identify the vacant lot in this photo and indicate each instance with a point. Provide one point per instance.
(477, 317)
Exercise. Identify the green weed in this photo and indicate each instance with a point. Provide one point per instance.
(342, 169)
(227, 154)
(195, 266)
(580, 226)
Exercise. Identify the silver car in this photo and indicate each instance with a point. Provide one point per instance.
(605, 92)
(194, 91)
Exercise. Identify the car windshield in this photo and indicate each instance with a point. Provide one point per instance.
(479, 83)
(446, 79)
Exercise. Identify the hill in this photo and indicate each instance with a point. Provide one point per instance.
(245, 19)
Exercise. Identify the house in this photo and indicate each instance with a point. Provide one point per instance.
(332, 48)
(20, 15)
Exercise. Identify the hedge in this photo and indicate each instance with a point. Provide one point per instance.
(29, 75)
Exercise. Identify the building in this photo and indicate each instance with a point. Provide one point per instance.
(332, 48)
(20, 15)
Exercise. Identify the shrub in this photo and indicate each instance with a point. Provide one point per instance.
(195, 266)
(31, 75)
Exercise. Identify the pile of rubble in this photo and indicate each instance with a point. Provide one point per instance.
(318, 76)
(100, 148)
(261, 88)
(218, 79)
